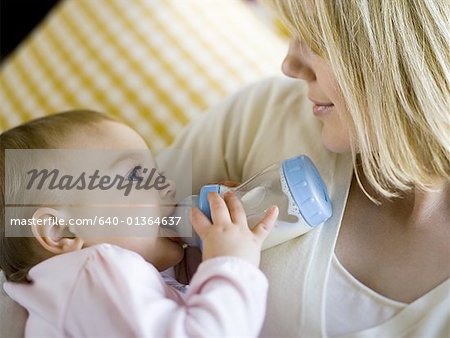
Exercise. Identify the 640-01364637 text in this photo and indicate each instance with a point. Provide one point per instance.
(100, 221)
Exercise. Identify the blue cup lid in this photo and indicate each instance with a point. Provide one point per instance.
(203, 203)
(307, 189)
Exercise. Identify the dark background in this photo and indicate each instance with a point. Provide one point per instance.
(17, 19)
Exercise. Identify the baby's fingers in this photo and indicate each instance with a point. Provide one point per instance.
(262, 229)
(236, 209)
(199, 222)
(219, 210)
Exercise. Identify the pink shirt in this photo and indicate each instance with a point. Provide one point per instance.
(108, 291)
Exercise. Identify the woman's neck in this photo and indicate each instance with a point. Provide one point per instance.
(428, 204)
(416, 207)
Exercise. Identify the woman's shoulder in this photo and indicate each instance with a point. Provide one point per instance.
(272, 120)
(265, 122)
(268, 93)
(275, 85)
(271, 95)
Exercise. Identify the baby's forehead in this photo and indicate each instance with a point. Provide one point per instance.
(104, 134)
(116, 157)
(75, 162)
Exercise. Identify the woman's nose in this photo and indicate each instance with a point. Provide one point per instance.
(295, 64)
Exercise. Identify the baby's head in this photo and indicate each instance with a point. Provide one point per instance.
(76, 130)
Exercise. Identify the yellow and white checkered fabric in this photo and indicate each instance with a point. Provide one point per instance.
(155, 63)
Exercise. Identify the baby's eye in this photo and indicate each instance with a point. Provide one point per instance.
(135, 174)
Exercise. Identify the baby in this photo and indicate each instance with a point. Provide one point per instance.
(77, 285)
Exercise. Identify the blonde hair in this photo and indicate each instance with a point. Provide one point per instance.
(19, 254)
(392, 62)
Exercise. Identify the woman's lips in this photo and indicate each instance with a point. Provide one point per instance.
(320, 110)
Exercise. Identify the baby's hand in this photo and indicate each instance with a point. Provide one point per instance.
(229, 234)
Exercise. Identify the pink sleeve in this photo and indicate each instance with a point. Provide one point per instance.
(118, 294)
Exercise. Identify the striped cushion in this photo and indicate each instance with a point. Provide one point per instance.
(157, 64)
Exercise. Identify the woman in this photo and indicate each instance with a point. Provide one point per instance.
(378, 76)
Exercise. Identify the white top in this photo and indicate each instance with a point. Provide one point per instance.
(266, 123)
(351, 306)
(107, 291)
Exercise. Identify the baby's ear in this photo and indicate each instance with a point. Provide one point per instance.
(50, 229)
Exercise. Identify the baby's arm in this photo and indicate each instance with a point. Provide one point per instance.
(118, 294)
(228, 291)
(227, 297)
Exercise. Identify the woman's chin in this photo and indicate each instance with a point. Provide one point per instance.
(335, 142)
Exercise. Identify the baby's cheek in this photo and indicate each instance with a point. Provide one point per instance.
(167, 253)
(166, 210)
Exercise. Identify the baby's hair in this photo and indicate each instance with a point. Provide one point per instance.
(391, 60)
(19, 254)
